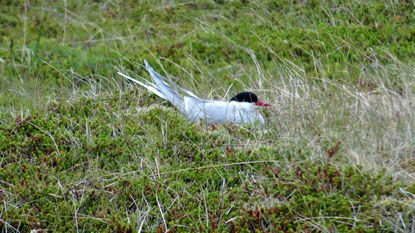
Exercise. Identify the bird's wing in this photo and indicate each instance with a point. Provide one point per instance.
(167, 81)
(211, 112)
(164, 87)
(194, 109)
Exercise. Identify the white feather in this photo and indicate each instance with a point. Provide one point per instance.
(151, 87)
(196, 109)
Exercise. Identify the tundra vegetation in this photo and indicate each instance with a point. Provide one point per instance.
(84, 150)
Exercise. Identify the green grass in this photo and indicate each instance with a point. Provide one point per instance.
(84, 150)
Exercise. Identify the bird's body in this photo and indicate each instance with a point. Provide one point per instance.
(242, 109)
(222, 112)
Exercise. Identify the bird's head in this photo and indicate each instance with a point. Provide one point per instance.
(250, 98)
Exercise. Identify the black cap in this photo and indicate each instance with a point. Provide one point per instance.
(245, 97)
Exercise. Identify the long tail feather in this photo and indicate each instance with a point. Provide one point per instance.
(169, 93)
(163, 88)
(149, 86)
(168, 82)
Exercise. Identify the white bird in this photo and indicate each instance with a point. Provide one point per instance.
(241, 109)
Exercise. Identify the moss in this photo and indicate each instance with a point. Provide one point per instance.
(79, 177)
(115, 159)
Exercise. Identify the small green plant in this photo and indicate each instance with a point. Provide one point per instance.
(82, 149)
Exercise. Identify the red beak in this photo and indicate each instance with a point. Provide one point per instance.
(259, 103)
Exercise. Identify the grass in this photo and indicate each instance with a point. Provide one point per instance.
(83, 150)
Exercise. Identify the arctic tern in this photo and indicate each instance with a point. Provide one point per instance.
(241, 109)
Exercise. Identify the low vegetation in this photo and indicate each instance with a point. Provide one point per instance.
(84, 150)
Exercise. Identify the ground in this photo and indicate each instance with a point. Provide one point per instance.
(84, 150)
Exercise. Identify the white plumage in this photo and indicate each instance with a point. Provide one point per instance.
(196, 109)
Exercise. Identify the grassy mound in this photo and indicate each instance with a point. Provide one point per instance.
(84, 150)
(87, 167)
